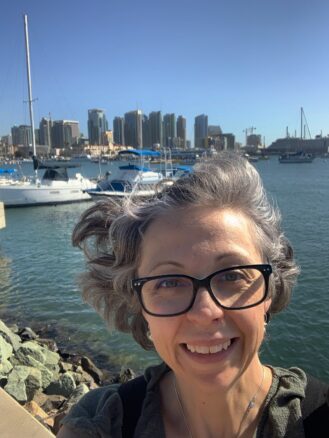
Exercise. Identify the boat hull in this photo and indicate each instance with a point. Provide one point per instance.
(34, 195)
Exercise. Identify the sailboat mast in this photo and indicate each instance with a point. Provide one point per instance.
(29, 83)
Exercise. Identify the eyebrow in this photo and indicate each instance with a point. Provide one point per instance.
(219, 258)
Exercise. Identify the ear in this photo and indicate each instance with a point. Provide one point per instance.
(267, 304)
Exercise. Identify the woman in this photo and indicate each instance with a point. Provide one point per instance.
(196, 274)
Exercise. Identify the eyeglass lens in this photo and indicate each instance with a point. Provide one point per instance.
(240, 287)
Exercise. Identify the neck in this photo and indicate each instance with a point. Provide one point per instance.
(240, 405)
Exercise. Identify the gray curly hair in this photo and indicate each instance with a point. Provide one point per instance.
(111, 233)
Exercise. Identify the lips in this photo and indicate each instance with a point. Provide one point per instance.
(212, 349)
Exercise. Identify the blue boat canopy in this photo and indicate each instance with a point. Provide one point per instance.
(140, 152)
(8, 171)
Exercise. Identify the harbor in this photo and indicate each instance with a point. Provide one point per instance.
(39, 270)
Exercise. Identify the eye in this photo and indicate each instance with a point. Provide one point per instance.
(231, 276)
(172, 282)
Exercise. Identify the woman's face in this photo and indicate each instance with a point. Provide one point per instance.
(207, 343)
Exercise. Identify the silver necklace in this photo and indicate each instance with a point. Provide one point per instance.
(251, 404)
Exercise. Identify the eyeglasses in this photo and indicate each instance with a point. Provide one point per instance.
(235, 288)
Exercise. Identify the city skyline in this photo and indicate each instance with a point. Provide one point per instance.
(244, 64)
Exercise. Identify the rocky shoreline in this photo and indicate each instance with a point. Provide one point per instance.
(44, 379)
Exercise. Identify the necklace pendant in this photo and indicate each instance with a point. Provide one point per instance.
(251, 404)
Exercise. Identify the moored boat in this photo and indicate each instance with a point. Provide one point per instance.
(55, 187)
(129, 179)
(295, 157)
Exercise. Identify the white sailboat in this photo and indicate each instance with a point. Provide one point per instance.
(55, 186)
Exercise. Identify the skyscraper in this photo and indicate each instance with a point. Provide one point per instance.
(22, 135)
(65, 133)
(45, 126)
(181, 131)
(97, 126)
(155, 128)
(169, 129)
(133, 129)
(146, 132)
(119, 130)
(200, 131)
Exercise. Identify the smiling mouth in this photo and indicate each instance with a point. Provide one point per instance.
(202, 349)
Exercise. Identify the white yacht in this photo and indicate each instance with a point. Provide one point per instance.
(55, 187)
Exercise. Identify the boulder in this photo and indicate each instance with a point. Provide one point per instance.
(65, 385)
(23, 383)
(50, 344)
(126, 375)
(51, 403)
(51, 358)
(10, 336)
(91, 369)
(27, 334)
(34, 409)
(6, 350)
(46, 375)
(5, 367)
(31, 349)
(77, 394)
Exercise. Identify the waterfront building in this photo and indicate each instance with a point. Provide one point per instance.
(315, 146)
(119, 130)
(21, 135)
(97, 126)
(156, 128)
(169, 129)
(254, 140)
(201, 131)
(65, 133)
(107, 139)
(45, 126)
(181, 131)
(133, 129)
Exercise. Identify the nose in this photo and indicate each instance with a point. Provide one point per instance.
(204, 309)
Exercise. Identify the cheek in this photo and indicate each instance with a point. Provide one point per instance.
(251, 323)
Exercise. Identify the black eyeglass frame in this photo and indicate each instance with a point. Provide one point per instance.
(265, 269)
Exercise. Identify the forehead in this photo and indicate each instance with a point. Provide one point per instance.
(187, 236)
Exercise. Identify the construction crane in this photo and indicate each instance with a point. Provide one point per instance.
(248, 131)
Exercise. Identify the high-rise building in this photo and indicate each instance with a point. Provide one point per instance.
(146, 132)
(201, 131)
(119, 130)
(155, 128)
(45, 126)
(65, 133)
(133, 129)
(214, 130)
(97, 126)
(229, 141)
(254, 140)
(181, 131)
(22, 135)
(169, 129)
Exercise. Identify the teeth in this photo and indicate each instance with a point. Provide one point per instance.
(208, 350)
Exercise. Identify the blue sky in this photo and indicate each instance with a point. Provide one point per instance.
(243, 62)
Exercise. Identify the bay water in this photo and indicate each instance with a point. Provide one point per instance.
(39, 269)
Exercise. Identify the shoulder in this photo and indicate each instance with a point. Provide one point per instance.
(292, 396)
(100, 411)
